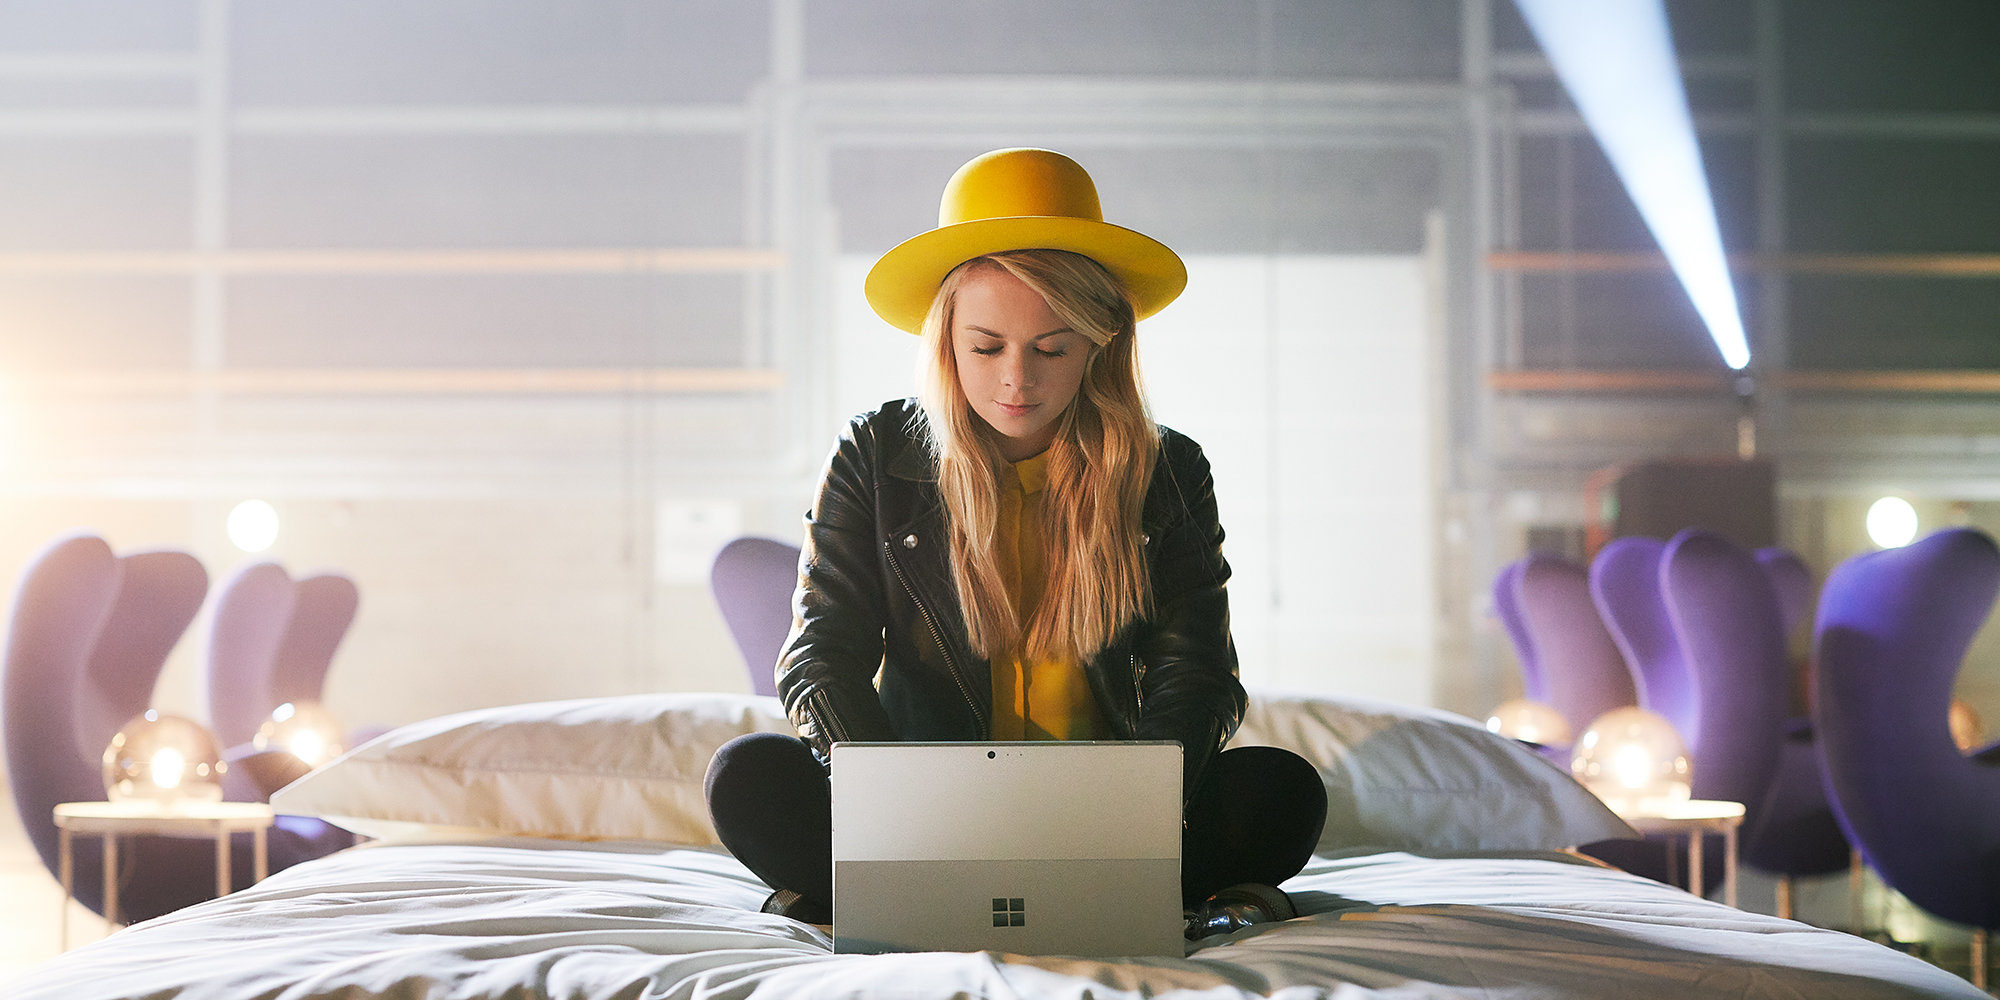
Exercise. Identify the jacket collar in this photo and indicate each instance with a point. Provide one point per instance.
(912, 458)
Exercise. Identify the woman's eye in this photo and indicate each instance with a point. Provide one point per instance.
(1057, 353)
(986, 351)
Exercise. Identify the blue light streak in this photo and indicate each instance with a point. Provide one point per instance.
(1616, 59)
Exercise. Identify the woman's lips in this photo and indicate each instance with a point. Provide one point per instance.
(1015, 409)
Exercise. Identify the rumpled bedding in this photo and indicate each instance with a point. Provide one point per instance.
(548, 918)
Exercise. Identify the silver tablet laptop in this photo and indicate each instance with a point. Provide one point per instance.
(1061, 848)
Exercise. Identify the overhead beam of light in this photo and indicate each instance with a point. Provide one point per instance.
(1616, 59)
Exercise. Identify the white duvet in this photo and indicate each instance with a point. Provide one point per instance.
(543, 918)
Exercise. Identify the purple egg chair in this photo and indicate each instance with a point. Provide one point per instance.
(271, 640)
(1625, 587)
(1704, 629)
(1583, 675)
(90, 633)
(1726, 619)
(1891, 635)
(1792, 582)
(323, 609)
(1507, 606)
(753, 580)
(1798, 834)
(1796, 595)
(1747, 746)
(245, 628)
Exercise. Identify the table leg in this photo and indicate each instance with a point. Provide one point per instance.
(1729, 865)
(1855, 883)
(1695, 867)
(260, 854)
(221, 861)
(110, 880)
(66, 867)
(1979, 957)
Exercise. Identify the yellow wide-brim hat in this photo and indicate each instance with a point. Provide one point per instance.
(1019, 199)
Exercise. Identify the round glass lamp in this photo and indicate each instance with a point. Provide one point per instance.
(304, 729)
(1530, 722)
(1633, 760)
(167, 759)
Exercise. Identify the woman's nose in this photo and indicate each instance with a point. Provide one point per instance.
(1019, 374)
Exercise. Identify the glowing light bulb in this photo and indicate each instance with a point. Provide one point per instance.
(307, 747)
(253, 525)
(167, 768)
(305, 730)
(1892, 522)
(1632, 759)
(1632, 766)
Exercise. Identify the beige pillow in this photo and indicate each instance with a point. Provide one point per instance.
(616, 768)
(1423, 780)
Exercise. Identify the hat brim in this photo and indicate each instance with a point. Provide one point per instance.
(902, 284)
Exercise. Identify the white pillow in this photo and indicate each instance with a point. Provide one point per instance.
(631, 768)
(1423, 780)
(617, 768)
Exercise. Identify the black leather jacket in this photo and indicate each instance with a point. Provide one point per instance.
(878, 648)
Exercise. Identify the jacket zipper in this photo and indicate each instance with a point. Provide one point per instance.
(1138, 690)
(951, 665)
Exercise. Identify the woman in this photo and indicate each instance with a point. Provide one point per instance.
(1020, 553)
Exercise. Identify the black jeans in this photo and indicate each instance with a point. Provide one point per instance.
(1254, 817)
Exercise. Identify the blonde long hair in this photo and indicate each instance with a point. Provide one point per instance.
(1100, 465)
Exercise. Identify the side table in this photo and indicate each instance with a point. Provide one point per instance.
(112, 820)
(1694, 818)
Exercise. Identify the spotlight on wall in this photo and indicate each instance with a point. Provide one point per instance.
(1892, 522)
(253, 525)
(1617, 62)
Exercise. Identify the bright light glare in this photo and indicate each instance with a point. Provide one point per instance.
(168, 768)
(1529, 721)
(1892, 522)
(1616, 59)
(1632, 766)
(307, 746)
(306, 730)
(253, 525)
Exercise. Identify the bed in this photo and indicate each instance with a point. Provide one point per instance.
(561, 850)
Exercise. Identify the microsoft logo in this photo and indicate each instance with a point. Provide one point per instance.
(1010, 912)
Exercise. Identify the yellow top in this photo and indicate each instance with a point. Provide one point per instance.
(1040, 700)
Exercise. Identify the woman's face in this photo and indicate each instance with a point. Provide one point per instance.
(1017, 363)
